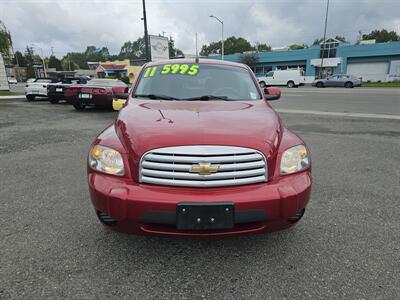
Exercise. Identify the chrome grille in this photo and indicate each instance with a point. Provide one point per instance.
(174, 166)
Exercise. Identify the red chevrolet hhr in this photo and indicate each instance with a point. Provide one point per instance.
(197, 150)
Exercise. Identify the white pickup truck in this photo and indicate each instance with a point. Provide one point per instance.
(290, 78)
(37, 88)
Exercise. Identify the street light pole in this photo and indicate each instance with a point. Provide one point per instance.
(222, 41)
(146, 35)
(323, 51)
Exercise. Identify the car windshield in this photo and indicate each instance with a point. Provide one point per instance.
(197, 82)
(106, 82)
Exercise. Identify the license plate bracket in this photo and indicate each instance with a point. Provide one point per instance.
(204, 216)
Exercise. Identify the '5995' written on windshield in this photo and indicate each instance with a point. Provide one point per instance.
(181, 69)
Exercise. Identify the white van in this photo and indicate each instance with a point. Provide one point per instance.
(290, 78)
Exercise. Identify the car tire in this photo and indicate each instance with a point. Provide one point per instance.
(348, 85)
(320, 85)
(53, 101)
(262, 84)
(30, 97)
(290, 84)
(79, 106)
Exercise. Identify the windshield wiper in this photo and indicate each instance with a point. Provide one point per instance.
(207, 97)
(155, 96)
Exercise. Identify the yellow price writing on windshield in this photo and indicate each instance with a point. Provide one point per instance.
(150, 72)
(180, 69)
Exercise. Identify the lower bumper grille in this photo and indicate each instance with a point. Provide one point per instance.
(106, 219)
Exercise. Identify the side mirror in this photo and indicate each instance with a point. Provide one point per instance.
(272, 93)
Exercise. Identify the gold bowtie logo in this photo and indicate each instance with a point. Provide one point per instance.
(204, 168)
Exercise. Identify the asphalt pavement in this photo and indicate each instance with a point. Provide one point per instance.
(359, 100)
(346, 247)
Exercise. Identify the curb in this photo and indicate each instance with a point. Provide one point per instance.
(12, 97)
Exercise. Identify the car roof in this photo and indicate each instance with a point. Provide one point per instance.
(197, 61)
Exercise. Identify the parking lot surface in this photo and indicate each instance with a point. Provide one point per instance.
(346, 247)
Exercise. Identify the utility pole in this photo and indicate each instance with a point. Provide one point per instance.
(146, 35)
(222, 41)
(197, 51)
(323, 49)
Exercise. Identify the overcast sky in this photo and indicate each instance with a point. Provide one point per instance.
(71, 25)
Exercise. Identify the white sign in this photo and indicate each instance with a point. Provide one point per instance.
(3, 76)
(328, 62)
(159, 48)
(394, 71)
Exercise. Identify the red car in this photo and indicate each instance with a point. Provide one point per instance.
(97, 92)
(197, 150)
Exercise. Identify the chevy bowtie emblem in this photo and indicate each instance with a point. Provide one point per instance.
(204, 168)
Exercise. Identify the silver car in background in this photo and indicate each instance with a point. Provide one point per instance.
(339, 80)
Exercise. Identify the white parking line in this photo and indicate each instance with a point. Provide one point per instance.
(339, 114)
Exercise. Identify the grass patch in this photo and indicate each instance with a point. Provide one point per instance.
(7, 93)
(393, 84)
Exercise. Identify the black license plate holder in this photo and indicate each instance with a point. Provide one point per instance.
(205, 216)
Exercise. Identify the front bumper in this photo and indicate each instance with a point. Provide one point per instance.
(150, 209)
(37, 93)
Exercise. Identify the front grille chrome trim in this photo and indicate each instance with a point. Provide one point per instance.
(172, 166)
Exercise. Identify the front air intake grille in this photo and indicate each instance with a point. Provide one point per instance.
(203, 166)
(106, 219)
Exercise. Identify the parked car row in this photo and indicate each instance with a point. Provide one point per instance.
(295, 78)
(339, 80)
(80, 92)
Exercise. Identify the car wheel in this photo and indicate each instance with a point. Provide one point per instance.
(53, 101)
(348, 85)
(79, 106)
(262, 84)
(30, 97)
(320, 85)
(290, 84)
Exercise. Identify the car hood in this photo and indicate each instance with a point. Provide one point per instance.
(143, 125)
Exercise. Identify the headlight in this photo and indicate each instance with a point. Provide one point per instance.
(295, 159)
(106, 160)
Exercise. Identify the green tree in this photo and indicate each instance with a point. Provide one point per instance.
(133, 50)
(5, 42)
(381, 36)
(341, 38)
(74, 60)
(29, 57)
(250, 59)
(263, 47)
(173, 52)
(92, 53)
(54, 62)
(297, 46)
(232, 45)
(20, 58)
